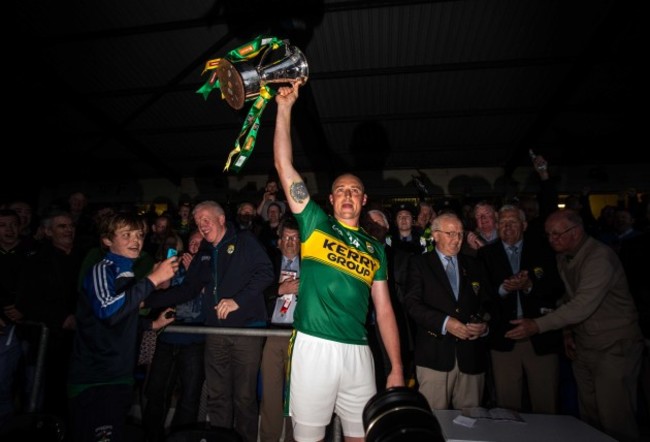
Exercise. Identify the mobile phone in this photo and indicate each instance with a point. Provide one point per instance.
(476, 319)
(171, 252)
(170, 314)
(533, 156)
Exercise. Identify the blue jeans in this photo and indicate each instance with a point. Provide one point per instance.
(173, 365)
(10, 354)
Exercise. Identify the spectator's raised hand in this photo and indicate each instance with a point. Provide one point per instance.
(164, 271)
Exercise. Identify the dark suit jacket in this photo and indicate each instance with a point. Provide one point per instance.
(429, 300)
(243, 271)
(539, 260)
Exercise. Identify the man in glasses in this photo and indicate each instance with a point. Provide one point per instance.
(281, 298)
(601, 329)
(446, 294)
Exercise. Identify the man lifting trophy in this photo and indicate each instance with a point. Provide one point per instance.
(253, 71)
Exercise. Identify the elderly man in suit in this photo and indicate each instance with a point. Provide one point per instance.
(445, 296)
(525, 282)
(602, 333)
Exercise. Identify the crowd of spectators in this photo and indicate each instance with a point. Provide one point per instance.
(45, 254)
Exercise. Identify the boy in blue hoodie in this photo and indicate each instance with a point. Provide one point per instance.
(100, 381)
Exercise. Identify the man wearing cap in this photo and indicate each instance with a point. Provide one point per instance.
(404, 242)
(407, 234)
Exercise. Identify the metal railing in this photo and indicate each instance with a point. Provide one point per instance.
(32, 403)
(228, 330)
(336, 435)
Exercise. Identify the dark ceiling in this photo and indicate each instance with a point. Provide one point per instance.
(107, 88)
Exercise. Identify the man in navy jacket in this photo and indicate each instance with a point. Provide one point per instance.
(234, 271)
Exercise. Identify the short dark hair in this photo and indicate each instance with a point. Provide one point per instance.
(288, 222)
(112, 223)
(404, 206)
(10, 212)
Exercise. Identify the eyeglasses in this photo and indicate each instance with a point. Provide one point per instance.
(557, 235)
(452, 235)
(288, 238)
(507, 222)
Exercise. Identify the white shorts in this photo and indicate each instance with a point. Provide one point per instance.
(327, 377)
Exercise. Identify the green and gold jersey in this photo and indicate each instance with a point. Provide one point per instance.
(338, 266)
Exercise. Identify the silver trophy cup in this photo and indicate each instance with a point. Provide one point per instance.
(242, 81)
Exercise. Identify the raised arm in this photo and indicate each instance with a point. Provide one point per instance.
(292, 183)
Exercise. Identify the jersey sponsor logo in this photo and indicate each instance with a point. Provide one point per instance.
(334, 252)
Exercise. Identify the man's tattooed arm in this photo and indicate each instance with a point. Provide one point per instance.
(298, 192)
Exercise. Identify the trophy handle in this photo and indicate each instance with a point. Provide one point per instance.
(293, 67)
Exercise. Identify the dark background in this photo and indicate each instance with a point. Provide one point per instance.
(105, 89)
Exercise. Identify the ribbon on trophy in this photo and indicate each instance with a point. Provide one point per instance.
(241, 81)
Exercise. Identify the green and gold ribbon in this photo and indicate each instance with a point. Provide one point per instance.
(245, 142)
